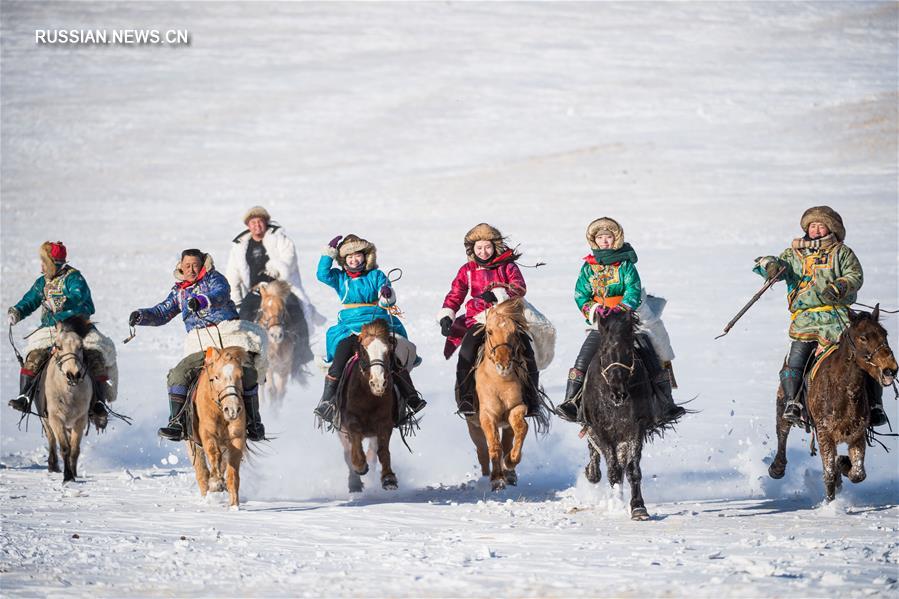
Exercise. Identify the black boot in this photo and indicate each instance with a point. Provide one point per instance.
(568, 409)
(98, 414)
(175, 429)
(465, 395)
(410, 396)
(532, 394)
(327, 406)
(875, 401)
(255, 428)
(22, 403)
(665, 410)
(791, 382)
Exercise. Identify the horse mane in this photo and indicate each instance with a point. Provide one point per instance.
(278, 288)
(376, 328)
(513, 310)
(79, 325)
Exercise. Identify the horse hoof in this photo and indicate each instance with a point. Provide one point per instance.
(593, 473)
(498, 485)
(356, 487)
(216, 485)
(362, 472)
(776, 470)
(639, 514)
(53, 468)
(511, 478)
(389, 483)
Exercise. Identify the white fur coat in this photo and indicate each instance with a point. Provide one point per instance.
(242, 333)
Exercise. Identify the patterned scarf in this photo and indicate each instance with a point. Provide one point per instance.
(822, 243)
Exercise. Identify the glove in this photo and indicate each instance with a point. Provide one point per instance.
(446, 324)
(134, 318)
(272, 271)
(771, 266)
(386, 292)
(13, 316)
(489, 297)
(835, 291)
(335, 242)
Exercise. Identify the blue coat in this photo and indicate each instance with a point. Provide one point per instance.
(214, 294)
(364, 289)
(67, 292)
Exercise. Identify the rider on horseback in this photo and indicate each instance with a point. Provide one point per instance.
(823, 278)
(609, 283)
(202, 297)
(261, 254)
(490, 276)
(366, 294)
(63, 293)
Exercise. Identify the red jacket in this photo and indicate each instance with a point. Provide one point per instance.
(501, 276)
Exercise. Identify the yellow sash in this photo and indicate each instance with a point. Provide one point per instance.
(796, 314)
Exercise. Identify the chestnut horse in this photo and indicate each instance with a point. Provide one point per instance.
(67, 392)
(219, 426)
(837, 400)
(274, 318)
(368, 411)
(499, 428)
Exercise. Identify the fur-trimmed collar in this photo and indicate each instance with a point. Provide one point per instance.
(272, 227)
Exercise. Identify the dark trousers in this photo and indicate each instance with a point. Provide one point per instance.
(342, 354)
(797, 360)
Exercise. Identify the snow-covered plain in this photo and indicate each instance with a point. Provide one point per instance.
(704, 128)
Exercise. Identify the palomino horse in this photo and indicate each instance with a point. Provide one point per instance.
(618, 412)
(368, 411)
(499, 427)
(837, 400)
(67, 392)
(219, 427)
(274, 318)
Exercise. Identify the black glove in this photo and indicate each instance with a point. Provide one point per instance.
(134, 318)
(193, 304)
(489, 297)
(835, 291)
(446, 324)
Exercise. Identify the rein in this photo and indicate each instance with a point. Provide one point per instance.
(14, 349)
(630, 368)
(60, 359)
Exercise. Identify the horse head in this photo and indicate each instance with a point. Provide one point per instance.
(869, 346)
(617, 353)
(502, 326)
(273, 310)
(224, 367)
(68, 349)
(376, 347)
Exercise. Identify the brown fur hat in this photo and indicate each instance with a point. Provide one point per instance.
(484, 232)
(826, 215)
(257, 212)
(352, 244)
(605, 225)
(53, 255)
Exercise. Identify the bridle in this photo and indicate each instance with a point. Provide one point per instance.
(226, 392)
(630, 369)
(60, 359)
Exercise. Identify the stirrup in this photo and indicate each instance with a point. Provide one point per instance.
(793, 412)
(567, 410)
(171, 432)
(877, 417)
(20, 404)
(466, 409)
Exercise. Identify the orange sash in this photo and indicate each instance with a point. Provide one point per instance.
(609, 301)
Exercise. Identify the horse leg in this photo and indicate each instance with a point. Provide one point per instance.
(357, 455)
(59, 431)
(592, 470)
(52, 458)
(494, 449)
(233, 455)
(75, 445)
(214, 456)
(198, 459)
(388, 478)
(635, 477)
(519, 431)
(613, 464)
(856, 461)
(353, 480)
(508, 440)
(779, 466)
(828, 450)
(480, 444)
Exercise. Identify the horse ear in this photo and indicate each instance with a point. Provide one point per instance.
(211, 354)
(876, 313)
(853, 315)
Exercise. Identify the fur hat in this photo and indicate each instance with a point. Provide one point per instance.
(53, 255)
(484, 232)
(257, 212)
(826, 215)
(352, 244)
(605, 225)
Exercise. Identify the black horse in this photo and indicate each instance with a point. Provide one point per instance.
(618, 407)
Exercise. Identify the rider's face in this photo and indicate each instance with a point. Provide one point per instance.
(817, 230)
(190, 267)
(604, 241)
(257, 227)
(355, 260)
(483, 249)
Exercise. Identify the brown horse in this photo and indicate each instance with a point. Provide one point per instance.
(368, 411)
(219, 422)
(273, 317)
(499, 427)
(67, 392)
(837, 400)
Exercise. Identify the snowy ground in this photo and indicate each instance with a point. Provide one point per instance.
(704, 128)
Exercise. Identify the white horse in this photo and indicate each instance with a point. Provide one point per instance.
(67, 391)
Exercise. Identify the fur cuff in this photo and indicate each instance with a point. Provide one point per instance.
(481, 317)
(501, 294)
(329, 251)
(446, 312)
(591, 316)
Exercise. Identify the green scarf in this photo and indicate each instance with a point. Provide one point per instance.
(606, 257)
